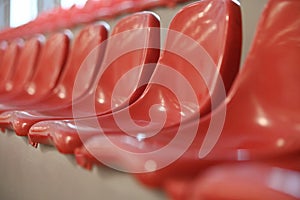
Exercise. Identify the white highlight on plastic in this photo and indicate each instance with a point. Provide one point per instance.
(150, 165)
(285, 181)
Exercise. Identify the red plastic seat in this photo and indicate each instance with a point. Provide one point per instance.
(66, 18)
(134, 26)
(99, 9)
(23, 69)
(96, 9)
(9, 60)
(277, 178)
(87, 40)
(146, 4)
(41, 23)
(219, 35)
(49, 66)
(262, 116)
(46, 22)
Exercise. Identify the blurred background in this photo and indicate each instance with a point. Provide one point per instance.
(44, 174)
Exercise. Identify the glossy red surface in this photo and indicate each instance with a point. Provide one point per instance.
(22, 121)
(61, 96)
(255, 154)
(262, 119)
(24, 67)
(222, 42)
(3, 46)
(8, 61)
(274, 179)
(49, 66)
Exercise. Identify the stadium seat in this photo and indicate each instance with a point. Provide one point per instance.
(50, 63)
(87, 40)
(22, 121)
(24, 67)
(221, 41)
(9, 59)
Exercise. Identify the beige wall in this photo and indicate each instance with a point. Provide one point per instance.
(251, 10)
(44, 174)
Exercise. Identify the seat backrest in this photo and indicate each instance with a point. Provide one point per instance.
(9, 59)
(208, 33)
(123, 36)
(268, 86)
(87, 40)
(26, 63)
(50, 64)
